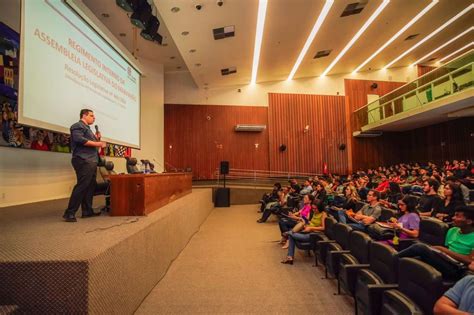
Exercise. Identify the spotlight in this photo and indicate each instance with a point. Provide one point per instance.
(128, 5)
(142, 15)
(151, 29)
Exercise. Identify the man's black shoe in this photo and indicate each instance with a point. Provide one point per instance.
(90, 215)
(69, 218)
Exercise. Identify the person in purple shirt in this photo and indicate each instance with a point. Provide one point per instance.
(408, 225)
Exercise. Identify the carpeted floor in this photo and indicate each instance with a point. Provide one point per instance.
(232, 265)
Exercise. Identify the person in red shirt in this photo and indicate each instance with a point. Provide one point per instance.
(384, 184)
(41, 142)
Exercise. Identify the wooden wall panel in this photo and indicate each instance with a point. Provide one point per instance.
(367, 152)
(192, 140)
(288, 114)
(424, 69)
(445, 141)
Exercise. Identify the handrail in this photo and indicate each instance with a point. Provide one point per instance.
(418, 88)
(419, 79)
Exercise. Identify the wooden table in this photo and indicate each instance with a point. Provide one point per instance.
(141, 194)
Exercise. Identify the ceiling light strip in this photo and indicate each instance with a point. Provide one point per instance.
(439, 29)
(456, 52)
(400, 32)
(356, 37)
(444, 45)
(262, 10)
(312, 35)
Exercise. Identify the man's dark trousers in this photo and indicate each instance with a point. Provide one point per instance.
(83, 192)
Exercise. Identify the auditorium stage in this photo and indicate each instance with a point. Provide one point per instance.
(97, 265)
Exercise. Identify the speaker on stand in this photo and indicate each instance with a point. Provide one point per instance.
(222, 197)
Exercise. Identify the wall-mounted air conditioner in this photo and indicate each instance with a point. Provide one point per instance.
(250, 128)
(367, 134)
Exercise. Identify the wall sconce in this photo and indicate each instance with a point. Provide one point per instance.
(306, 129)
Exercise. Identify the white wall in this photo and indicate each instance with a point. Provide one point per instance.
(181, 89)
(29, 176)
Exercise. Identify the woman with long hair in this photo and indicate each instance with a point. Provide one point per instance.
(452, 199)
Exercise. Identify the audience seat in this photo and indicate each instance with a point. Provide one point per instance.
(349, 263)
(387, 214)
(319, 241)
(370, 282)
(420, 286)
(342, 235)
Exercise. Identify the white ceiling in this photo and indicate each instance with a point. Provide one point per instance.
(287, 25)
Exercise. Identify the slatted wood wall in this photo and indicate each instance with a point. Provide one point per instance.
(307, 151)
(368, 152)
(200, 136)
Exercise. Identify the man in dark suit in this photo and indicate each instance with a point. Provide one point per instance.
(84, 145)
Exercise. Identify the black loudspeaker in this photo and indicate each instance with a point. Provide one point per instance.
(222, 198)
(342, 147)
(224, 167)
(282, 147)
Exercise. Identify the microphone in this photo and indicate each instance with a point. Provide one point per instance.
(97, 131)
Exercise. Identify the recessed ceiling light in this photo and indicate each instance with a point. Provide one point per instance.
(122, 34)
(174, 9)
(197, 64)
(309, 40)
(262, 10)
(439, 29)
(442, 46)
(192, 51)
(185, 33)
(456, 52)
(105, 15)
(356, 36)
(172, 57)
(400, 32)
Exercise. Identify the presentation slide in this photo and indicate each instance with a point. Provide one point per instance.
(66, 66)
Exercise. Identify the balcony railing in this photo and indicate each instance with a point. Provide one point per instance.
(449, 79)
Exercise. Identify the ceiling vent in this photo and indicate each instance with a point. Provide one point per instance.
(322, 53)
(250, 128)
(354, 8)
(412, 36)
(224, 32)
(228, 71)
(367, 134)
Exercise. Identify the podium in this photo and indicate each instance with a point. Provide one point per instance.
(141, 194)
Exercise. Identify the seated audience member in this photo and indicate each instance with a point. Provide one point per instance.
(273, 207)
(294, 185)
(270, 197)
(393, 194)
(383, 185)
(462, 172)
(457, 300)
(459, 244)
(430, 201)
(368, 214)
(316, 224)
(41, 141)
(307, 188)
(408, 225)
(349, 204)
(287, 223)
(464, 189)
(452, 200)
(319, 192)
